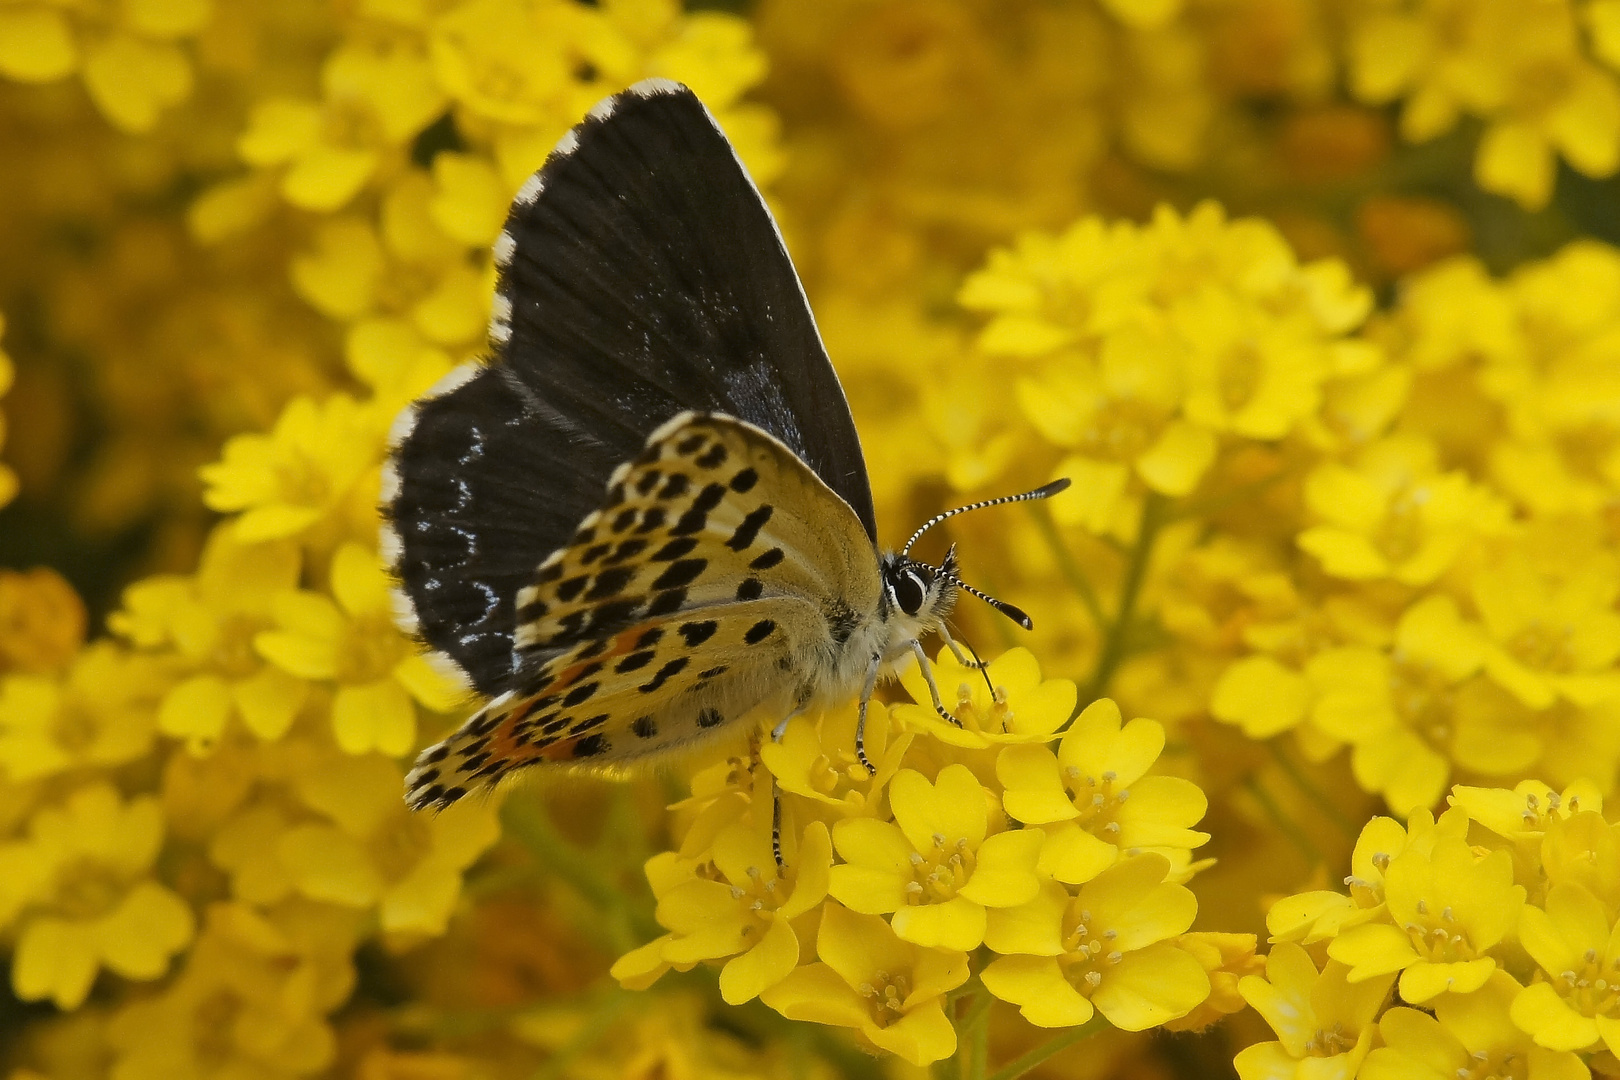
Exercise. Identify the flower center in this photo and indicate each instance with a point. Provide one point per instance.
(1423, 697)
(759, 897)
(999, 718)
(234, 653)
(1439, 939)
(1097, 800)
(1238, 375)
(214, 1030)
(1087, 952)
(1544, 647)
(399, 845)
(1594, 989)
(87, 889)
(1539, 817)
(1368, 894)
(938, 873)
(74, 727)
(1400, 534)
(886, 996)
(1121, 430)
(301, 482)
(369, 650)
(1330, 1042)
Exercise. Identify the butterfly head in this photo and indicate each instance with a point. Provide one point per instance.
(924, 593)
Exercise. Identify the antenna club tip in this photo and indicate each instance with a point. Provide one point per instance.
(1060, 484)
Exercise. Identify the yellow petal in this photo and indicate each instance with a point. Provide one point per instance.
(376, 716)
(54, 960)
(957, 923)
(132, 80)
(1037, 986)
(36, 44)
(770, 960)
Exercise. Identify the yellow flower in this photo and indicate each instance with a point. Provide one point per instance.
(1468, 1035)
(374, 100)
(354, 642)
(1574, 1001)
(1519, 67)
(1319, 915)
(303, 471)
(42, 620)
(92, 901)
(375, 852)
(1408, 715)
(889, 990)
(747, 914)
(1025, 707)
(100, 713)
(1094, 796)
(1227, 959)
(816, 758)
(1448, 907)
(210, 620)
(1547, 606)
(1394, 515)
(1324, 1022)
(1583, 849)
(129, 53)
(1525, 812)
(252, 1001)
(934, 866)
(1106, 948)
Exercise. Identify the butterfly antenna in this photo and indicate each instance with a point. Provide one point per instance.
(1015, 614)
(984, 669)
(1044, 492)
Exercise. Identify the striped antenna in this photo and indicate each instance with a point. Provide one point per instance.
(1015, 614)
(1044, 492)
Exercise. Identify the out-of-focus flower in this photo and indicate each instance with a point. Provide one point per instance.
(934, 866)
(373, 852)
(129, 54)
(1325, 1024)
(88, 898)
(42, 620)
(253, 999)
(375, 98)
(285, 482)
(1106, 948)
(210, 620)
(891, 991)
(100, 713)
(8, 478)
(354, 642)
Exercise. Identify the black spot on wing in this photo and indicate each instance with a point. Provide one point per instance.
(664, 674)
(683, 572)
(759, 631)
(751, 589)
(696, 633)
(708, 718)
(644, 727)
(748, 530)
(744, 481)
(766, 560)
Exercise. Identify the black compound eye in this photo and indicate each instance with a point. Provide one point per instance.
(909, 591)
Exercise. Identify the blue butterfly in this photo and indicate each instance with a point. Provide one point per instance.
(647, 515)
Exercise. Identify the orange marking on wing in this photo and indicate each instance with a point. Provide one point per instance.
(624, 643)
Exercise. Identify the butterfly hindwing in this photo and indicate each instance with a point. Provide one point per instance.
(716, 567)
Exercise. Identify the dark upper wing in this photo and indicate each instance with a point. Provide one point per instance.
(644, 275)
(641, 276)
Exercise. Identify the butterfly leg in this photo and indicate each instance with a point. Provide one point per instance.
(782, 725)
(956, 650)
(927, 670)
(776, 825)
(860, 720)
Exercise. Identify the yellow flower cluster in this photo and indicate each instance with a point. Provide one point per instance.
(1544, 78)
(1497, 923)
(1052, 878)
(1344, 520)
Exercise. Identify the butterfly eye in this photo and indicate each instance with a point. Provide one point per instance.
(909, 589)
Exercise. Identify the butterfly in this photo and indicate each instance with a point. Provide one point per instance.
(646, 515)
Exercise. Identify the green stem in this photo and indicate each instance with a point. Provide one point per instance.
(973, 1045)
(590, 1032)
(1130, 588)
(1309, 789)
(1066, 563)
(1284, 823)
(524, 818)
(1050, 1048)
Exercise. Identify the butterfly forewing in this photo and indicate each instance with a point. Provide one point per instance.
(641, 275)
(716, 567)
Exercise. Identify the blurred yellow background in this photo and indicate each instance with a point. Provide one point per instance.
(1314, 299)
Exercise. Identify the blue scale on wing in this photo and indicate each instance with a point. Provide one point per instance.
(717, 563)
